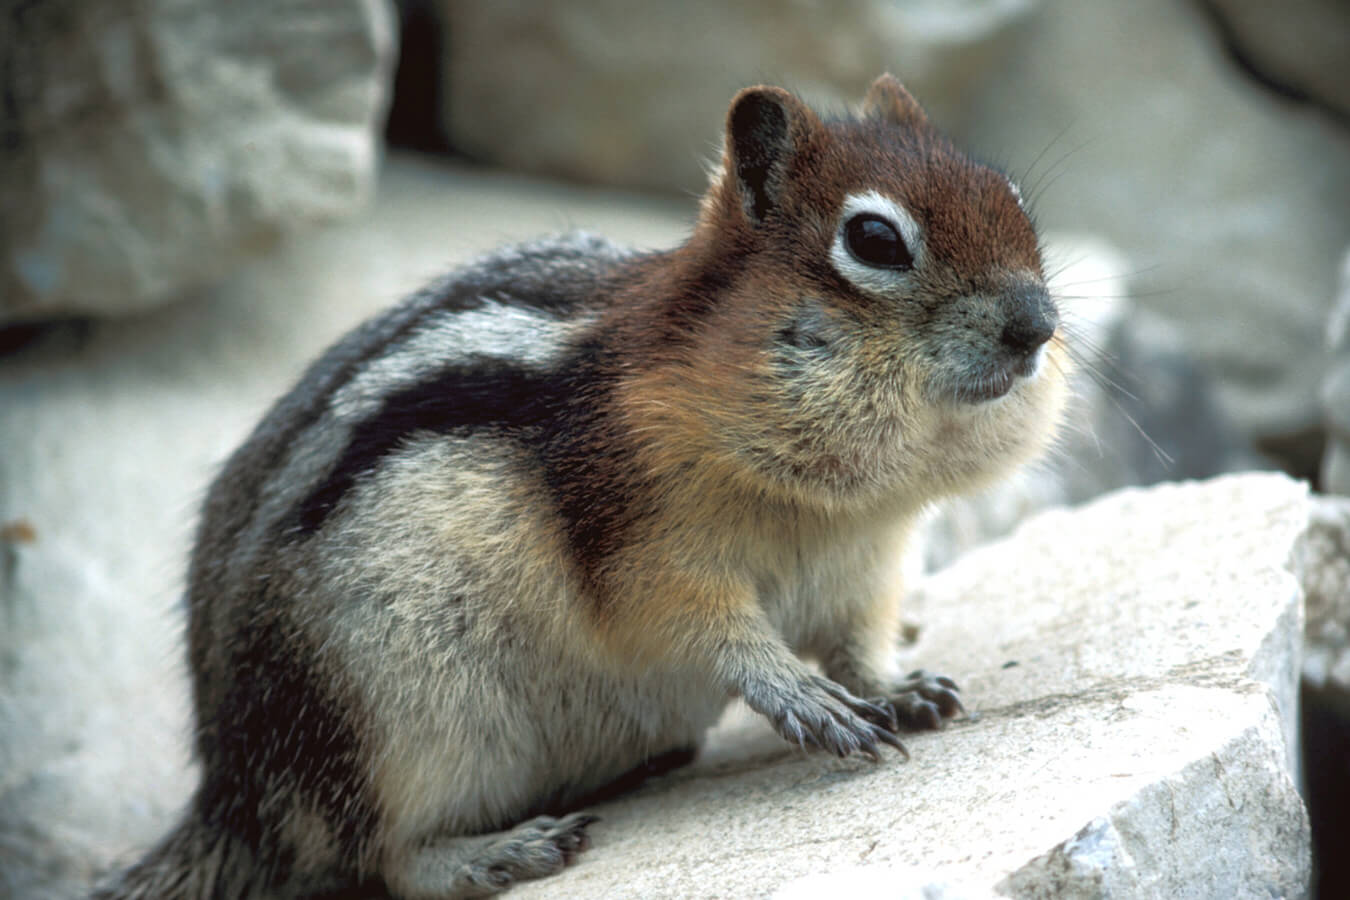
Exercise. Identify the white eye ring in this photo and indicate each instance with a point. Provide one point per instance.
(870, 279)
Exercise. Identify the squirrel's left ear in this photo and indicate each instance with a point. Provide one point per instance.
(765, 128)
(888, 100)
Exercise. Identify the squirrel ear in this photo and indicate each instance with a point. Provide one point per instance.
(888, 100)
(763, 127)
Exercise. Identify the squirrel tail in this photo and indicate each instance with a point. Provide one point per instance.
(192, 862)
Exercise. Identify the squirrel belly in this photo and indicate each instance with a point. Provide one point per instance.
(527, 532)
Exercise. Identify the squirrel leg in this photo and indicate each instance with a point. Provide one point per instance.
(716, 625)
(482, 865)
(813, 711)
(805, 708)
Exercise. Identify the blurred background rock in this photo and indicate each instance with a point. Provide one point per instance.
(147, 144)
(164, 163)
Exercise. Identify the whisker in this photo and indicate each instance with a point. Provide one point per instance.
(1046, 149)
(1113, 390)
(1037, 190)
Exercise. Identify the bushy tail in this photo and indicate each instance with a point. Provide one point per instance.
(192, 862)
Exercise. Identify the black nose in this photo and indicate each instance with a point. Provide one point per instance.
(1031, 319)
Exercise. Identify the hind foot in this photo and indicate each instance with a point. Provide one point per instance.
(482, 865)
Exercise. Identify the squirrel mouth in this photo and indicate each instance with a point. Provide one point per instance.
(988, 387)
(998, 379)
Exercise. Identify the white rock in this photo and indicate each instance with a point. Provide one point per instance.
(1229, 203)
(147, 146)
(1139, 747)
(1323, 563)
(617, 92)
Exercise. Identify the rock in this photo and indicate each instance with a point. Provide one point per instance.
(1323, 564)
(1336, 391)
(1131, 670)
(1301, 49)
(148, 144)
(1229, 203)
(614, 92)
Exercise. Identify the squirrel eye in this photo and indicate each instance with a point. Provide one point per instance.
(875, 242)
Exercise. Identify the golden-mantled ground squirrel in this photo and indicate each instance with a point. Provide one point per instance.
(531, 529)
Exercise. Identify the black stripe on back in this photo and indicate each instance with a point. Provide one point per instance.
(556, 275)
(585, 462)
(482, 394)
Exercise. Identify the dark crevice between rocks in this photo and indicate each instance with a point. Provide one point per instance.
(1298, 453)
(415, 109)
(1251, 67)
(60, 335)
(1325, 725)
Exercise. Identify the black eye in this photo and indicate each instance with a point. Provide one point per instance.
(875, 242)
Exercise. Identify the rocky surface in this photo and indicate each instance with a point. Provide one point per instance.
(1323, 563)
(1131, 672)
(146, 145)
(1132, 121)
(627, 93)
(109, 434)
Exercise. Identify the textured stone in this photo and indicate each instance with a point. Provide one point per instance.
(147, 144)
(1323, 560)
(627, 93)
(1228, 202)
(1131, 671)
(1323, 564)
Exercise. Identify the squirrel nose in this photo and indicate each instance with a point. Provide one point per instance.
(1032, 319)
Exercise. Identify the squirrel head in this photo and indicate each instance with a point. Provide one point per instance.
(878, 310)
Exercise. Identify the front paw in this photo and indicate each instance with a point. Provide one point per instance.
(817, 712)
(923, 700)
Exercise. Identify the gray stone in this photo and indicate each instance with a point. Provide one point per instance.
(1301, 46)
(1323, 563)
(1336, 391)
(148, 144)
(1230, 203)
(617, 92)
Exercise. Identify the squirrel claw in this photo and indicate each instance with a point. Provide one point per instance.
(924, 700)
(822, 714)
